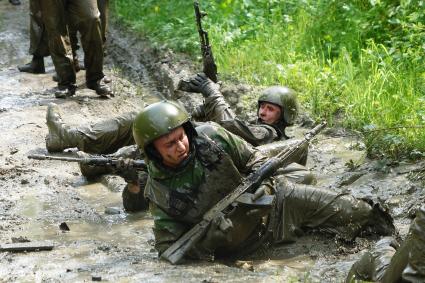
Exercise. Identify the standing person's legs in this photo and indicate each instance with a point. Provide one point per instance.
(54, 18)
(103, 6)
(74, 45)
(104, 19)
(39, 45)
(84, 14)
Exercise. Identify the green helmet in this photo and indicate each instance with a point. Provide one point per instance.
(157, 120)
(284, 97)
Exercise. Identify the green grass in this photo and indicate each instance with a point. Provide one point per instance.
(352, 63)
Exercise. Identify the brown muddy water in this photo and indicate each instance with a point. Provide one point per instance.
(105, 243)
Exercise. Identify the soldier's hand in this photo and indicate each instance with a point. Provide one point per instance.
(258, 193)
(197, 82)
(218, 233)
(223, 223)
(124, 168)
(124, 163)
(201, 83)
(220, 228)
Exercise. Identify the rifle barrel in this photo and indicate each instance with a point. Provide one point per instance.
(49, 157)
(95, 160)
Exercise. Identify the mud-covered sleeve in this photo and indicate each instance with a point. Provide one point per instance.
(245, 157)
(218, 110)
(166, 229)
(415, 269)
(254, 134)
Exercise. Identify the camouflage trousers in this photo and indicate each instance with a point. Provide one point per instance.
(39, 44)
(389, 262)
(84, 16)
(301, 207)
(107, 136)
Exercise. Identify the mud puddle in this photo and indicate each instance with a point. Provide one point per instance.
(105, 243)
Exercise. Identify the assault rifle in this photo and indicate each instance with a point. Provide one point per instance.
(95, 161)
(210, 68)
(176, 251)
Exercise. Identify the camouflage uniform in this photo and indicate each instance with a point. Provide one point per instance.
(179, 197)
(105, 137)
(387, 262)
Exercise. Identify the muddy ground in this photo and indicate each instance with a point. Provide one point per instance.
(37, 196)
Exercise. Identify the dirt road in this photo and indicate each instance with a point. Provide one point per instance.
(36, 196)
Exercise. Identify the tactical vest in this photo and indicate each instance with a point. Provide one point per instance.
(220, 178)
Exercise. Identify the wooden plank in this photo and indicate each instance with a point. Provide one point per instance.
(27, 246)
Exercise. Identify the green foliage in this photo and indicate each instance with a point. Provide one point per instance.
(164, 22)
(359, 63)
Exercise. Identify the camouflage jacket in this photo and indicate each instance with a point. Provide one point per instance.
(179, 198)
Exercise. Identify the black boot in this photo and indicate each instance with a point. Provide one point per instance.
(65, 91)
(380, 221)
(36, 66)
(101, 88)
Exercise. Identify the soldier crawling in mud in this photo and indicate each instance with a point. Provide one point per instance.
(193, 166)
(277, 109)
(390, 262)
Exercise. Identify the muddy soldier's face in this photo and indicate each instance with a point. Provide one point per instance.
(269, 113)
(173, 147)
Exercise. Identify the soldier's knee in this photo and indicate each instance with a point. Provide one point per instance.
(89, 18)
(308, 179)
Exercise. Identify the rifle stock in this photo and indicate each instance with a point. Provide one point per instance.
(175, 253)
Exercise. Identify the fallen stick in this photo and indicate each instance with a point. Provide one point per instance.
(27, 246)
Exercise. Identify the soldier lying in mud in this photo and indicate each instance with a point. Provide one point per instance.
(390, 262)
(277, 109)
(193, 166)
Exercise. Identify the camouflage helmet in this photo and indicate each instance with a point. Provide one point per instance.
(156, 120)
(284, 97)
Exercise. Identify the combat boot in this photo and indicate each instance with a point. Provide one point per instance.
(380, 221)
(65, 91)
(61, 136)
(36, 66)
(101, 88)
